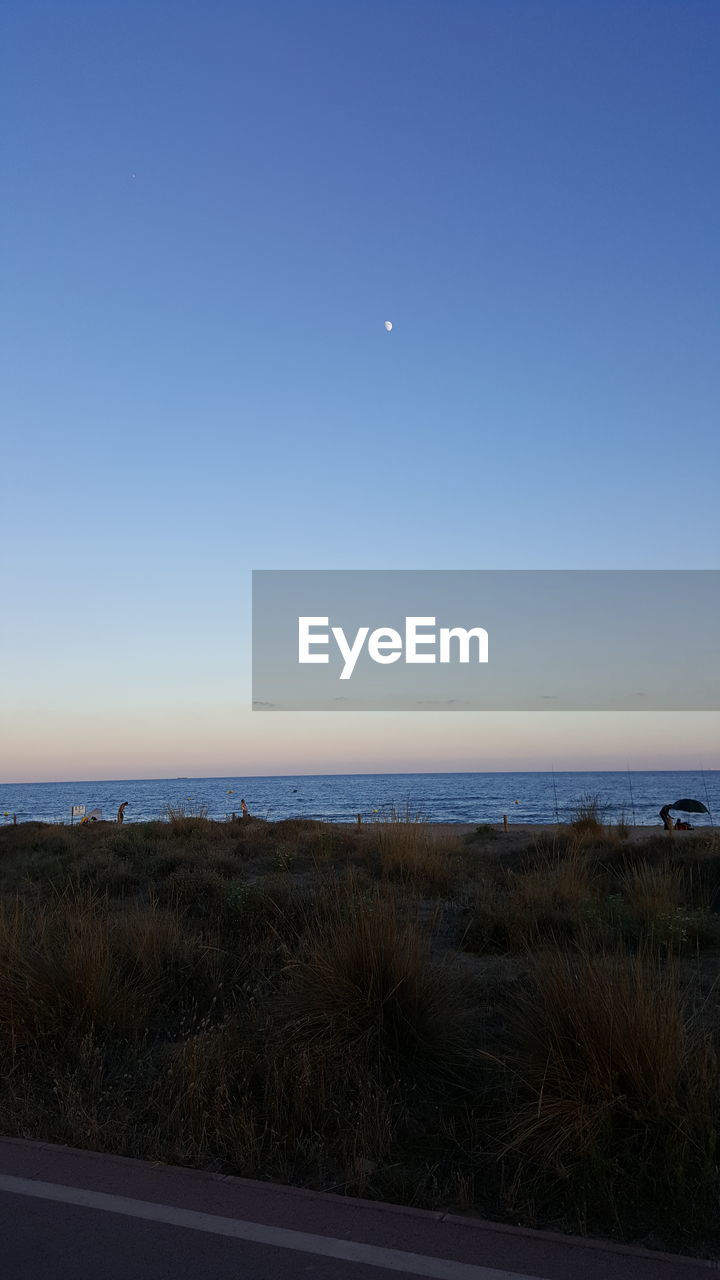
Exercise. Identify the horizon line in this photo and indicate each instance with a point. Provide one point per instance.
(382, 773)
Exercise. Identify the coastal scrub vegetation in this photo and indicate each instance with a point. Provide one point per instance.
(526, 1028)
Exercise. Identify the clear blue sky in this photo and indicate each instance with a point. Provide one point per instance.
(208, 213)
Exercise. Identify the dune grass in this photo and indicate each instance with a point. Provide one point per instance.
(415, 853)
(614, 1099)
(389, 1011)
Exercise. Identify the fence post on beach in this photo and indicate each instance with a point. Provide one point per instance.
(505, 823)
(359, 819)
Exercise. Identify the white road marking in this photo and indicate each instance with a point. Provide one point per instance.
(279, 1237)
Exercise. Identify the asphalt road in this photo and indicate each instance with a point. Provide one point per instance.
(73, 1215)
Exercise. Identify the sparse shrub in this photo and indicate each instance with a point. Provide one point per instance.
(589, 808)
(587, 817)
(482, 833)
(658, 910)
(192, 887)
(546, 897)
(652, 891)
(491, 924)
(550, 844)
(185, 820)
(699, 861)
(270, 908)
(154, 830)
(118, 881)
(285, 855)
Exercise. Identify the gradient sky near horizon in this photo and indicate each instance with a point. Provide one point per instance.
(209, 213)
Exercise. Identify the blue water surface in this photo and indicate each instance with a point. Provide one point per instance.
(438, 797)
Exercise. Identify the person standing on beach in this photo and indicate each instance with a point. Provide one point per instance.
(121, 811)
(244, 808)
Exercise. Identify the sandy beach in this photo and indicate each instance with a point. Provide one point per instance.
(520, 834)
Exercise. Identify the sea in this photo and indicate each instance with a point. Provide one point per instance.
(635, 797)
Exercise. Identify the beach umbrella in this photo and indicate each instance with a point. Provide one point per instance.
(689, 806)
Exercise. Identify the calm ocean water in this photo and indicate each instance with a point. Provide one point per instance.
(439, 797)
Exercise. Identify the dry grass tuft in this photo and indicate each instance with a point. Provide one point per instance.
(653, 892)
(416, 853)
(587, 819)
(615, 1092)
(363, 986)
(546, 899)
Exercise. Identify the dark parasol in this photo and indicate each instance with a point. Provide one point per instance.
(689, 806)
